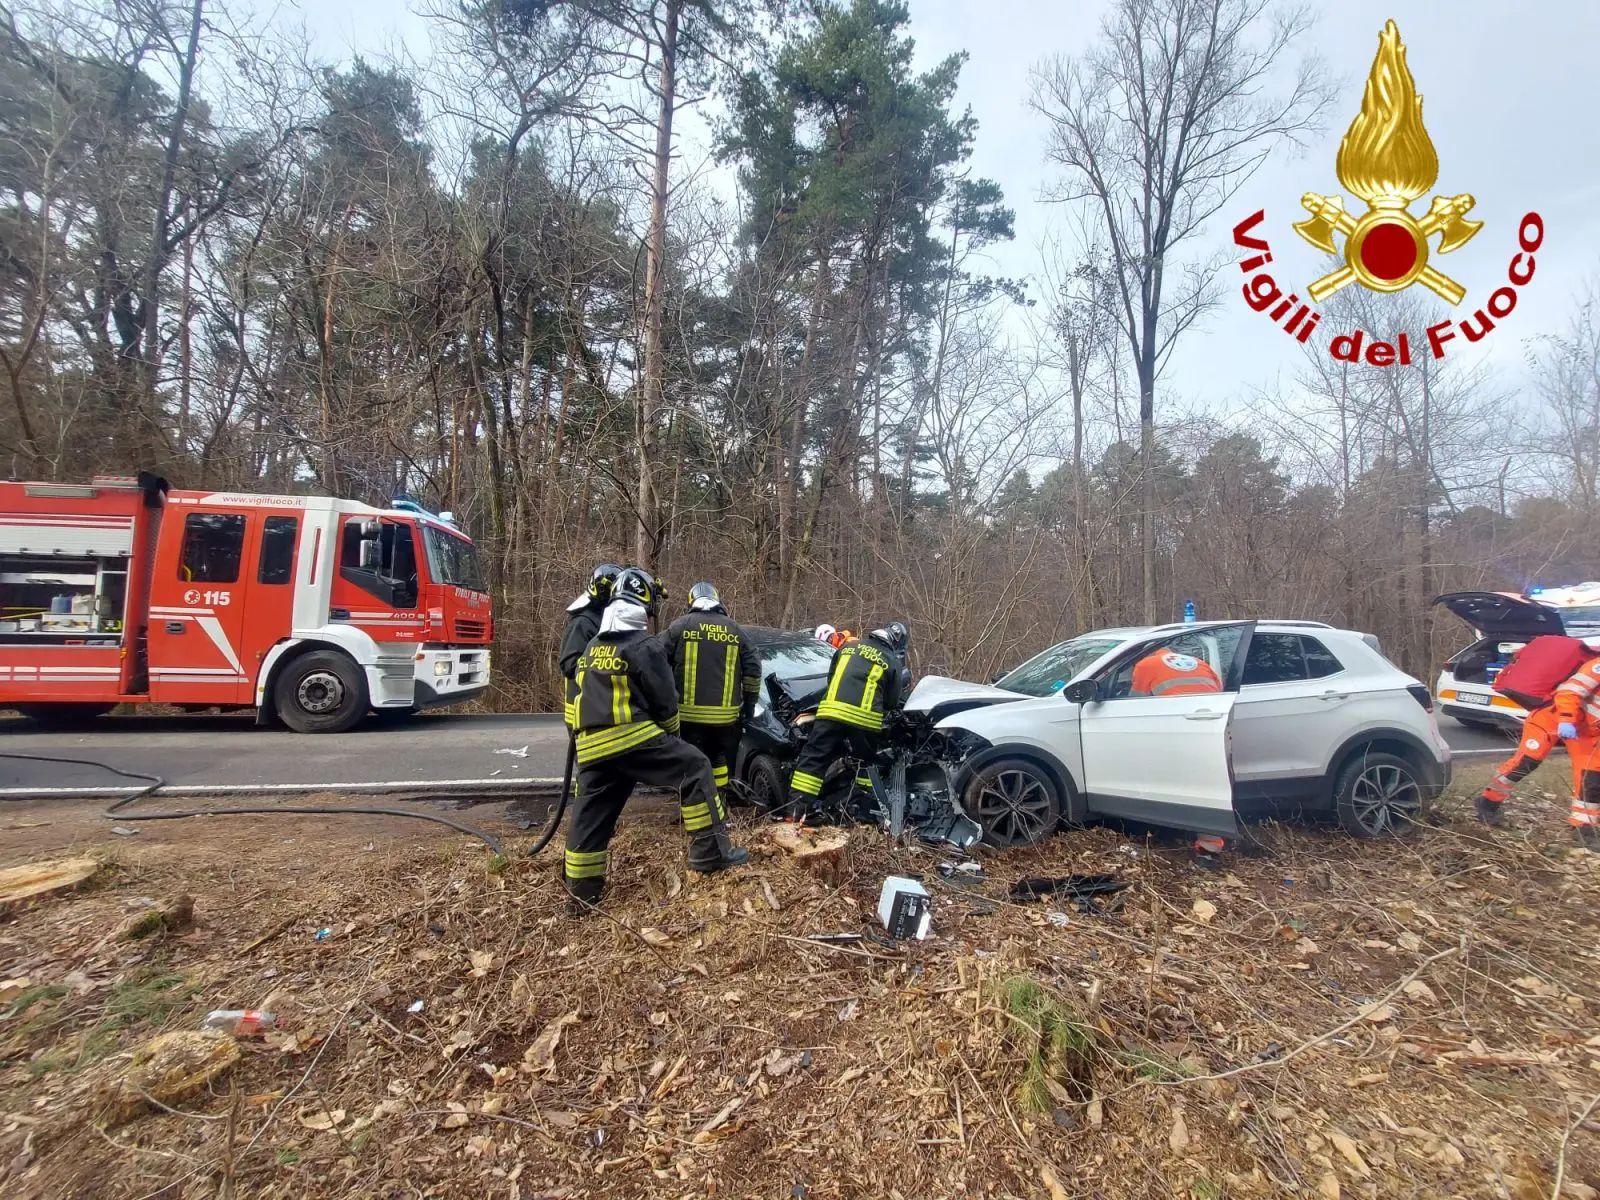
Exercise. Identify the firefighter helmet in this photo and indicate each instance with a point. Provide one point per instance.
(704, 597)
(637, 587)
(601, 581)
(893, 635)
(824, 633)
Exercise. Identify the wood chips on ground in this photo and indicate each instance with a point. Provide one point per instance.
(1322, 1018)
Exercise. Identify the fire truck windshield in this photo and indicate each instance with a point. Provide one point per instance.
(453, 560)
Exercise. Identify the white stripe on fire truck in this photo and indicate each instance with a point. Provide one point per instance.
(207, 620)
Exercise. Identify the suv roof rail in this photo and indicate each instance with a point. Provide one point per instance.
(1299, 624)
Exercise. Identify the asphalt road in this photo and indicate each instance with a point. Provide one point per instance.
(222, 755)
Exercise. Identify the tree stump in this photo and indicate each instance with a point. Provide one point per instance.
(819, 850)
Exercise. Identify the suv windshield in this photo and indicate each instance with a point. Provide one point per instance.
(793, 659)
(453, 560)
(1047, 673)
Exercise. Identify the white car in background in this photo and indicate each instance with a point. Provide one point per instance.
(1308, 714)
(1505, 622)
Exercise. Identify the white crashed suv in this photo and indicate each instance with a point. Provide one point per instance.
(1308, 714)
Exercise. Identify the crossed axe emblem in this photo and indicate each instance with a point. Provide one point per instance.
(1446, 217)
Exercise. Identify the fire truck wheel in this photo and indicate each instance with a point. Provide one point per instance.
(321, 692)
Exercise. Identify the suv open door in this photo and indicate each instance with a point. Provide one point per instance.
(1166, 760)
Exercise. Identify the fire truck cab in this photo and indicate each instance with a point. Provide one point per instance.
(311, 609)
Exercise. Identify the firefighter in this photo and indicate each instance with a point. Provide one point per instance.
(1573, 718)
(868, 678)
(583, 622)
(1169, 672)
(627, 735)
(718, 675)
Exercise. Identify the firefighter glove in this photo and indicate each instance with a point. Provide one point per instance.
(1567, 729)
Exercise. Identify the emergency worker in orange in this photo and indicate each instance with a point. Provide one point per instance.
(1571, 717)
(1169, 672)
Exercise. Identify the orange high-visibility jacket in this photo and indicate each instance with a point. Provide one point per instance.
(1575, 699)
(1168, 673)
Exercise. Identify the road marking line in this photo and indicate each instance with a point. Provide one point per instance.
(258, 789)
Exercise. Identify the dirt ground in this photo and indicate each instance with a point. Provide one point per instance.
(1310, 1016)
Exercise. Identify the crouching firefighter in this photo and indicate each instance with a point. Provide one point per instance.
(718, 675)
(1567, 711)
(627, 735)
(868, 679)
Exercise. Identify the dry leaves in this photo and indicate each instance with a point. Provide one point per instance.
(1178, 1139)
(1377, 1014)
(654, 936)
(481, 961)
(1347, 1148)
(540, 1058)
(1417, 990)
(1203, 911)
(319, 1118)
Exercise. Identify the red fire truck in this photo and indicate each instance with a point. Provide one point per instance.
(310, 609)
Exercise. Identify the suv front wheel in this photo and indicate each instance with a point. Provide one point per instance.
(1379, 795)
(1015, 801)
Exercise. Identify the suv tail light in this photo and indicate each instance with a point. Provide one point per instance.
(1422, 696)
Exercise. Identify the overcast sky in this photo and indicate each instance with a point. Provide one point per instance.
(1510, 93)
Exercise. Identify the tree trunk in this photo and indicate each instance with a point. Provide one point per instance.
(647, 538)
(1147, 487)
(156, 261)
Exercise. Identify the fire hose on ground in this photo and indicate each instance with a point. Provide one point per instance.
(119, 809)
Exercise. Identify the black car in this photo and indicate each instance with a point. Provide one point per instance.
(794, 667)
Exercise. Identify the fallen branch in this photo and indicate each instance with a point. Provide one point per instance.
(1321, 1037)
(275, 931)
(1566, 1138)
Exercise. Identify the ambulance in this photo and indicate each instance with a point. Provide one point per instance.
(1505, 622)
(312, 610)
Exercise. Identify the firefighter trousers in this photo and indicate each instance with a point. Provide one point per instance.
(1538, 738)
(826, 742)
(720, 744)
(604, 787)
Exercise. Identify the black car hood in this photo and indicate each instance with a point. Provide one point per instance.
(1496, 614)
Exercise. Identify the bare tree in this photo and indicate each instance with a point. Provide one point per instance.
(1155, 128)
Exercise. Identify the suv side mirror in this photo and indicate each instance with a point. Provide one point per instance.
(1082, 691)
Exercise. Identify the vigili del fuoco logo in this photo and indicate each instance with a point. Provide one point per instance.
(1387, 160)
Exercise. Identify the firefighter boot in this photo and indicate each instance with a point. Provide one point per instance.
(1490, 811)
(713, 850)
(1587, 837)
(583, 894)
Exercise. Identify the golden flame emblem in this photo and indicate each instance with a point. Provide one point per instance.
(1387, 158)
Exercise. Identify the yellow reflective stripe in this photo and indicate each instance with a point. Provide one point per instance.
(691, 671)
(871, 690)
(720, 774)
(603, 743)
(696, 817)
(804, 781)
(730, 672)
(586, 864)
(617, 693)
(673, 723)
(849, 714)
(838, 677)
(708, 714)
(752, 684)
(572, 714)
